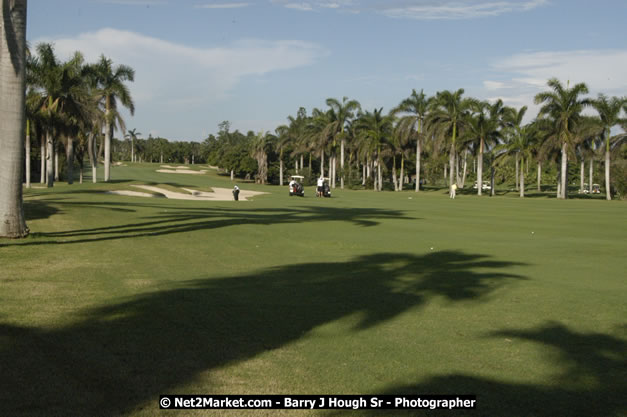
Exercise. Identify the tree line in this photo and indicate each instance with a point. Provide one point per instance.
(435, 137)
(76, 105)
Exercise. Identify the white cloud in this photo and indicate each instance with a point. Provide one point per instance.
(526, 74)
(171, 71)
(299, 6)
(421, 9)
(600, 69)
(493, 85)
(468, 9)
(189, 83)
(135, 2)
(222, 5)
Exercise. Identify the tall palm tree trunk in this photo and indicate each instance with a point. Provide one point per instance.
(564, 173)
(42, 157)
(451, 164)
(321, 163)
(27, 150)
(480, 168)
(591, 177)
(522, 177)
(12, 115)
(49, 159)
(363, 174)
(380, 171)
(56, 162)
(69, 151)
(582, 174)
(608, 194)
(107, 143)
(465, 168)
(281, 168)
(492, 190)
(418, 152)
(402, 176)
(457, 177)
(133, 150)
(342, 144)
(91, 151)
(516, 177)
(539, 176)
(334, 165)
(394, 173)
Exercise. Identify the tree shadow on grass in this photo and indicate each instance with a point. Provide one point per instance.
(592, 380)
(38, 209)
(181, 220)
(116, 359)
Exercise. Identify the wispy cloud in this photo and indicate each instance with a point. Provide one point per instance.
(421, 9)
(523, 75)
(173, 78)
(222, 5)
(469, 9)
(299, 6)
(135, 2)
(601, 69)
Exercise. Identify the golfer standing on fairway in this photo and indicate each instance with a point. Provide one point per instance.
(320, 186)
(453, 189)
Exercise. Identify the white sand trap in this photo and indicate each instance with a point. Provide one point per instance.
(182, 171)
(131, 193)
(168, 166)
(218, 194)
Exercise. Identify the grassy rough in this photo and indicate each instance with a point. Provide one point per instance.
(114, 300)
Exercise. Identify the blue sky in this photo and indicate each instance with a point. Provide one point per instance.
(253, 63)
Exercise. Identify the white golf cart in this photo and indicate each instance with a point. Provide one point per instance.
(484, 186)
(296, 186)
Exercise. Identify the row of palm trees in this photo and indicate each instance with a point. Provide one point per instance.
(449, 123)
(73, 101)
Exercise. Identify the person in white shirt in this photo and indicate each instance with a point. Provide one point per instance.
(320, 186)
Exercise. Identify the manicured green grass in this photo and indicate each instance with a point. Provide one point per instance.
(115, 300)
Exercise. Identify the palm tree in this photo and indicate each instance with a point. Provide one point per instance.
(110, 89)
(342, 113)
(416, 105)
(376, 131)
(283, 140)
(609, 110)
(586, 141)
(319, 133)
(513, 122)
(259, 151)
(484, 126)
(132, 135)
(563, 107)
(12, 117)
(521, 144)
(448, 115)
(299, 138)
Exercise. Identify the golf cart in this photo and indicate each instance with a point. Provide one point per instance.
(326, 190)
(484, 186)
(596, 189)
(296, 186)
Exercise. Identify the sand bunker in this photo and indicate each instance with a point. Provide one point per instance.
(182, 171)
(131, 193)
(218, 194)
